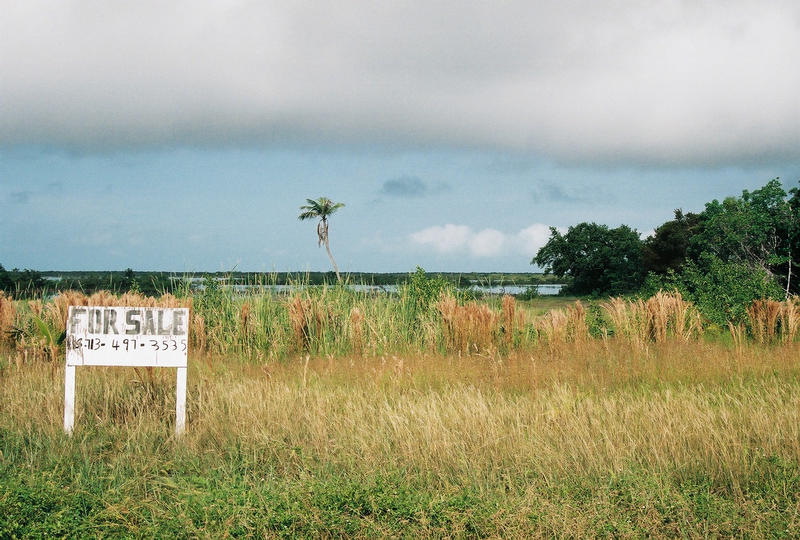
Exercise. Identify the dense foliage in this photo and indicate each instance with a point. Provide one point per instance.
(20, 281)
(600, 260)
(722, 291)
(758, 229)
(31, 283)
(733, 252)
(666, 249)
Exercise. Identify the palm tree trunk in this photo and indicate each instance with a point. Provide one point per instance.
(335, 268)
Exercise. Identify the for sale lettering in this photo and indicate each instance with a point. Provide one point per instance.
(136, 321)
(127, 336)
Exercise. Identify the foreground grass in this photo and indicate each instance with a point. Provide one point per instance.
(602, 439)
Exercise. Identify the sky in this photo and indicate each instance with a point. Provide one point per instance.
(184, 136)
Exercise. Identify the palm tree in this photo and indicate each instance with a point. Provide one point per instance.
(321, 208)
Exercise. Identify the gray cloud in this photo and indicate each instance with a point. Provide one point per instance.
(411, 186)
(405, 186)
(669, 83)
(550, 192)
(571, 193)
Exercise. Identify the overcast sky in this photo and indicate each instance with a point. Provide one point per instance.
(184, 136)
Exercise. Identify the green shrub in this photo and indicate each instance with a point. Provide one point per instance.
(423, 291)
(722, 291)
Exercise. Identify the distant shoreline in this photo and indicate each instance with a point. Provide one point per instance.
(464, 279)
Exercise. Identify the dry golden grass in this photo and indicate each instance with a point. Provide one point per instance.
(738, 334)
(656, 319)
(245, 322)
(577, 329)
(472, 327)
(509, 308)
(790, 319)
(560, 327)
(198, 332)
(305, 319)
(528, 429)
(770, 320)
(357, 330)
(763, 317)
(602, 407)
(552, 329)
(8, 315)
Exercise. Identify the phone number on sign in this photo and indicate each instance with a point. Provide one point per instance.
(126, 344)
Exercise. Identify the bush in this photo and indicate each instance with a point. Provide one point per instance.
(422, 292)
(722, 291)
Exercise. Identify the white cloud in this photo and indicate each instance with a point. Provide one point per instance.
(532, 238)
(443, 239)
(488, 242)
(669, 82)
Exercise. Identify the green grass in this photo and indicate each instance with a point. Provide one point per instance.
(691, 440)
(184, 496)
(334, 413)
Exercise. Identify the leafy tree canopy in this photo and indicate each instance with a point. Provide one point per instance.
(667, 248)
(759, 229)
(600, 260)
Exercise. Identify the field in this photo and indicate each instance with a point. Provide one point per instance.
(447, 418)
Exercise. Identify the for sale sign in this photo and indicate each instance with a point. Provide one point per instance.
(127, 336)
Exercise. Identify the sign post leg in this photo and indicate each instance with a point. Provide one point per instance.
(180, 402)
(69, 399)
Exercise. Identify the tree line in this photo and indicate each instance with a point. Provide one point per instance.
(32, 283)
(20, 280)
(734, 251)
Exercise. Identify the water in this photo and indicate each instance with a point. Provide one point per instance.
(544, 289)
(547, 289)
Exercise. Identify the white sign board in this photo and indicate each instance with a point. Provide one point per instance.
(126, 336)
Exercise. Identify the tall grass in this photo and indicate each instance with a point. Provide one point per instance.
(687, 438)
(8, 316)
(451, 418)
(660, 317)
(261, 325)
(770, 320)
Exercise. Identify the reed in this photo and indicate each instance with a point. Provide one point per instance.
(469, 328)
(628, 319)
(8, 316)
(577, 329)
(770, 320)
(659, 318)
(261, 324)
(790, 319)
(245, 323)
(509, 320)
(738, 335)
(763, 316)
(357, 330)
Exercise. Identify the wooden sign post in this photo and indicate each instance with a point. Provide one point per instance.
(127, 336)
